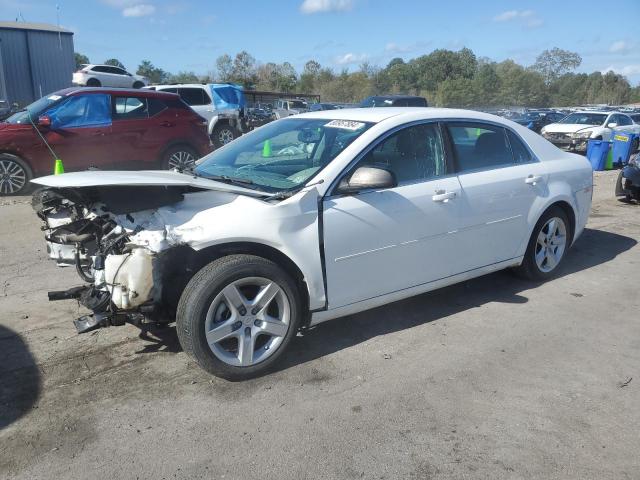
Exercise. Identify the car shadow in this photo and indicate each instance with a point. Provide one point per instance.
(20, 382)
(593, 248)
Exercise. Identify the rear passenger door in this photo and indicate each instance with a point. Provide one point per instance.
(500, 180)
(137, 131)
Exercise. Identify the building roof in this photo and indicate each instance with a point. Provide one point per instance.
(42, 27)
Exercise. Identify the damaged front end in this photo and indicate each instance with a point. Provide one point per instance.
(91, 230)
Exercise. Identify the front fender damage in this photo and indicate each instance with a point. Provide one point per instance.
(123, 254)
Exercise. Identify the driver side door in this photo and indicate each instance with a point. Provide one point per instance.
(382, 241)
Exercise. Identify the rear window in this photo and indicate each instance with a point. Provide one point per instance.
(479, 146)
(129, 108)
(155, 106)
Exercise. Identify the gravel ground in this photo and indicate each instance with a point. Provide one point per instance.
(493, 378)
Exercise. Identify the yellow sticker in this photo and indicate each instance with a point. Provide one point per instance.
(622, 138)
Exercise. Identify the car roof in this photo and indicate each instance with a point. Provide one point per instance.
(601, 112)
(376, 115)
(114, 91)
(177, 85)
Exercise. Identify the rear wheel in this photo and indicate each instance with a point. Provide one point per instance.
(138, 85)
(180, 157)
(14, 175)
(237, 316)
(223, 134)
(93, 82)
(547, 246)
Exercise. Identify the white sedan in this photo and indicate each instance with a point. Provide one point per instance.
(574, 131)
(311, 218)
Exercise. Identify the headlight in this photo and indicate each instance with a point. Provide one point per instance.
(581, 135)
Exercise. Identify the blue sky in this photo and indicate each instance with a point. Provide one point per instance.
(190, 34)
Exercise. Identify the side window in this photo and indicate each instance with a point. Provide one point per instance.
(519, 151)
(81, 111)
(129, 108)
(479, 146)
(623, 120)
(155, 106)
(412, 154)
(100, 69)
(169, 90)
(192, 96)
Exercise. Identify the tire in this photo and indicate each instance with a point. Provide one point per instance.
(93, 82)
(203, 307)
(15, 175)
(534, 269)
(138, 85)
(181, 157)
(223, 134)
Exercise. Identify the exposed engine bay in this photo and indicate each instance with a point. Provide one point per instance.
(92, 229)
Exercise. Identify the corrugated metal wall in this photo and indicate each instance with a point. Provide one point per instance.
(35, 63)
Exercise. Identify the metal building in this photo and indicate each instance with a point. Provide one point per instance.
(35, 60)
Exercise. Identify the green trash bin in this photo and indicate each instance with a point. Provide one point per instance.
(608, 164)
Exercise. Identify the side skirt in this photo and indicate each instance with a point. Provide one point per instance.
(323, 316)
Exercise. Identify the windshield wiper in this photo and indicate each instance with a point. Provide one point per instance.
(228, 179)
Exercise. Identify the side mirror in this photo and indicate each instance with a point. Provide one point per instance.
(612, 125)
(367, 178)
(44, 121)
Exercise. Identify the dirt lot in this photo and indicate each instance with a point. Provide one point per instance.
(494, 378)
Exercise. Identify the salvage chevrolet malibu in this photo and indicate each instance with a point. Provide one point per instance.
(311, 218)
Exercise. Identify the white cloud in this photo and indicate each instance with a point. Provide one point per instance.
(394, 48)
(619, 47)
(627, 70)
(529, 17)
(350, 58)
(310, 7)
(140, 10)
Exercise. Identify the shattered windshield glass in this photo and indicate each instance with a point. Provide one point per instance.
(281, 155)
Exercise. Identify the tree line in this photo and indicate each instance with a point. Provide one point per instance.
(446, 78)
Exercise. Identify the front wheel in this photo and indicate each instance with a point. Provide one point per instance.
(237, 316)
(547, 246)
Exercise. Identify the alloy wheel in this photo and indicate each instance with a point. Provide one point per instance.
(225, 136)
(247, 321)
(181, 160)
(550, 244)
(12, 177)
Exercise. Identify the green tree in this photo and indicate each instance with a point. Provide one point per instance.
(153, 73)
(244, 69)
(80, 60)
(224, 68)
(184, 77)
(555, 62)
(114, 62)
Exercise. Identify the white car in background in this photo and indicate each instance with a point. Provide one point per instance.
(346, 210)
(574, 131)
(107, 76)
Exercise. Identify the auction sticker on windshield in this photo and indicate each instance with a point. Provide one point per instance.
(345, 124)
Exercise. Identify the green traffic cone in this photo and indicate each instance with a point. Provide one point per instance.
(58, 168)
(266, 149)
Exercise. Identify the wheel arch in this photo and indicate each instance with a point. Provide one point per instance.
(197, 259)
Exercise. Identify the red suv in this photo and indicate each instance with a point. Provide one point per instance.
(106, 128)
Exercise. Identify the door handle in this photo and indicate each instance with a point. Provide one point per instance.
(443, 196)
(98, 133)
(166, 124)
(533, 179)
